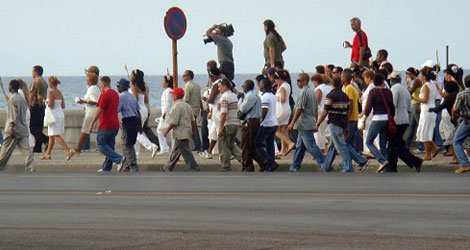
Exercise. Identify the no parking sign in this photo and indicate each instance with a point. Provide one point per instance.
(175, 27)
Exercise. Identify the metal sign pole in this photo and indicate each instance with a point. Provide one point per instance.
(175, 64)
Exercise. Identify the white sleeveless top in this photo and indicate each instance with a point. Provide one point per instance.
(325, 89)
(432, 97)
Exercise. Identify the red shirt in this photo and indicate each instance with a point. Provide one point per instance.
(109, 102)
(360, 40)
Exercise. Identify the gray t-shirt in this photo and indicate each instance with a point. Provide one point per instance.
(224, 49)
(307, 101)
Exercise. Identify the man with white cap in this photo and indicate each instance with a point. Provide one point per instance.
(397, 147)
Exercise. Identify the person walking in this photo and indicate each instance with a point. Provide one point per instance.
(397, 146)
(321, 90)
(16, 128)
(415, 88)
(427, 119)
(337, 107)
(183, 124)
(37, 96)
(138, 90)
(304, 120)
(274, 46)
(229, 125)
(380, 100)
(130, 122)
(166, 103)
(264, 140)
(193, 98)
(249, 107)
(283, 112)
(368, 76)
(56, 105)
(108, 126)
(90, 100)
(214, 117)
(461, 112)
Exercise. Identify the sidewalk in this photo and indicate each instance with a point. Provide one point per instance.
(90, 162)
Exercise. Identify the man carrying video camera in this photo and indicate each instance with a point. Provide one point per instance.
(219, 33)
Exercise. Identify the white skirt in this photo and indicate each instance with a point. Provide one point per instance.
(427, 122)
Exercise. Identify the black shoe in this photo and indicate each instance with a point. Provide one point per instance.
(419, 165)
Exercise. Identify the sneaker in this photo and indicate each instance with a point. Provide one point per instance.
(418, 151)
(100, 170)
(364, 167)
(232, 157)
(120, 164)
(203, 153)
(462, 170)
(154, 151)
(29, 169)
(209, 156)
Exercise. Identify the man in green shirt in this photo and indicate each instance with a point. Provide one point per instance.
(37, 96)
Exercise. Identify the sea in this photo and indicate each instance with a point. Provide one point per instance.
(75, 86)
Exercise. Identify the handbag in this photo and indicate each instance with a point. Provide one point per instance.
(391, 126)
(49, 118)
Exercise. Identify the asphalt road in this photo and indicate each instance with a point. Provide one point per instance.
(234, 211)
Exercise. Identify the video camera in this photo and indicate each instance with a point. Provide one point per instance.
(227, 28)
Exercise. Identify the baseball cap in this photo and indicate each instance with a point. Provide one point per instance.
(93, 69)
(123, 83)
(395, 75)
(179, 92)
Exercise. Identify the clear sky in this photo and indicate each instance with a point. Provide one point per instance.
(65, 36)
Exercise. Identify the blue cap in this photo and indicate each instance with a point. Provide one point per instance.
(270, 71)
(124, 83)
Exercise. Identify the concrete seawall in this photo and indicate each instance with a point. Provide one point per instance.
(73, 125)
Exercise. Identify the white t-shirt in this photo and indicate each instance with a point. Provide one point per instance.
(268, 100)
(92, 94)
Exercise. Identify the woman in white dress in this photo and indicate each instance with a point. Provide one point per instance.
(166, 104)
(138, 90)
(56, 104)
(427, 119)
(321, 90)
(283, 111)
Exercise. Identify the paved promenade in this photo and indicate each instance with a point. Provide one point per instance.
(89, 162)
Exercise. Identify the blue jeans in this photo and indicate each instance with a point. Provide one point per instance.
(463, 131)
(197, 141)
(204, 132)
(265, 136)
(105, 141)
(376, 128)
(353, 154)
(1, 138)
(86, 145)
(306, 142)
(338, 143)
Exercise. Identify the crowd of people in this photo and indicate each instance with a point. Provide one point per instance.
(362, 113)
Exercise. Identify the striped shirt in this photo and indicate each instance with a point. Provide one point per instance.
(462, 103)
(337, 105)
(229, 104)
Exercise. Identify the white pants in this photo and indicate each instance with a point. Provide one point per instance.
(144, 141)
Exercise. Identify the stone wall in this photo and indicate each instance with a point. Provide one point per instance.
(73, 125)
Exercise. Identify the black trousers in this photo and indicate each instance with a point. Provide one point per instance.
(397, 149)
(36, 126)
(228, 69)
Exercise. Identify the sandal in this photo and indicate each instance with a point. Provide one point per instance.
(46, 157)
(290, 149)
(69, 155)
(436, 152)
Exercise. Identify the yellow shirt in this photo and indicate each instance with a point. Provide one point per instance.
(416, 94)
(351, 92)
